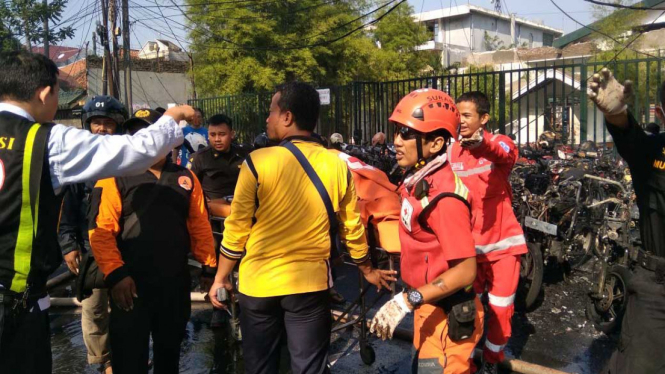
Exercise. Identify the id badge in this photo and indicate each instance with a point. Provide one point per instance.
(407, 213)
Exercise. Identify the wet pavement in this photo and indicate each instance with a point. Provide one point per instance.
(556, 334)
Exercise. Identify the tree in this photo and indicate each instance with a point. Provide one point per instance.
(250, 48)
(399, 36)
(23, 19)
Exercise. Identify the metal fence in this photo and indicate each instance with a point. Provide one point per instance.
(549, 96)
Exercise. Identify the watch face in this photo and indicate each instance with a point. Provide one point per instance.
(415, 297)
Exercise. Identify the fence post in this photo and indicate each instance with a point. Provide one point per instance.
(584, 105)
(502, 103)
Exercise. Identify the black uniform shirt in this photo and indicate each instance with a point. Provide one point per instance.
(645, 155)
(218, 171)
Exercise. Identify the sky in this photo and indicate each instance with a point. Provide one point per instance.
(146, 23)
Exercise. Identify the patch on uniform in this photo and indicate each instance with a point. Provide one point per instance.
(185, 183)
(457, 166)
(407, 213)
(2, 174)
(142, 114)
(504, 146)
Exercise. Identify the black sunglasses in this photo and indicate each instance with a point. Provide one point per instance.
(406, 133)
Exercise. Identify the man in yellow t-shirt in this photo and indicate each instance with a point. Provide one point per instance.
(279, 220)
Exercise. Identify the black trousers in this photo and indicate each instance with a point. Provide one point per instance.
(25, 340)
(642, 339)
(162, 311)
(306, 320)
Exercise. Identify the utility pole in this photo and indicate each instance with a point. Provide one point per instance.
(103, 31)
(46, 41)
(113, 15)
(94, 43)
(191, 72)
(127, 57)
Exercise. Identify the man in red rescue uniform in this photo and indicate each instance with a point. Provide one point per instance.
(438, 259)
(484, 162)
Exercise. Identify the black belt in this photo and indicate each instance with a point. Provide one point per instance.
(649, 261)
(15, 300)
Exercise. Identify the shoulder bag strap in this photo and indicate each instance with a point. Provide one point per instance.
(332, 217)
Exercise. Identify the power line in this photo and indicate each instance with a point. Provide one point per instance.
(620, 6)
(605, 34)
(158, 79)
(284, 48)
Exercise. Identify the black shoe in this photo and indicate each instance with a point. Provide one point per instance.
(218, 318)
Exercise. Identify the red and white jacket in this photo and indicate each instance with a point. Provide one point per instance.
(485, 170)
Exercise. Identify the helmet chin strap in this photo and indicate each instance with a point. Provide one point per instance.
(421, 159)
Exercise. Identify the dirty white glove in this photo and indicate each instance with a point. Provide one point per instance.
(609, 95)
(474, 141)
(389, 316)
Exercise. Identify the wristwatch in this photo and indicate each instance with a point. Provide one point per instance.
(414, 297)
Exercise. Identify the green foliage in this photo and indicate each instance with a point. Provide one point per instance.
(23, 19)
(250, 48)
(492, 43)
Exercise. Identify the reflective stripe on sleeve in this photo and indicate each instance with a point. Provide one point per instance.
(493, 347)
(502, 301)
(27, 228)
(479, 170)
(503, 244)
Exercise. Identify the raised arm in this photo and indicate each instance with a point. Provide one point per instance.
(77, 155)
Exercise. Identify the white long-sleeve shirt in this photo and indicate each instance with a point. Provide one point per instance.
(77, 155)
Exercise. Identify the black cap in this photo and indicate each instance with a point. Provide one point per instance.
(142, 118)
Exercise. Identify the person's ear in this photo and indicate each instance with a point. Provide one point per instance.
(288, 118)
(436, 145)
(233, 134)
(484, 119)
(43, 93)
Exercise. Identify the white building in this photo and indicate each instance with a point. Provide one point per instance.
(459, 31)
(162, 49)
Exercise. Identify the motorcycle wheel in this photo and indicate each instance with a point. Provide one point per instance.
(531, 277)
(606, 313)
(587, 248)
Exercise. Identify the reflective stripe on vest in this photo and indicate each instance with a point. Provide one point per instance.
(27, 229)
(479, 170)
(460, 188)
(500, 245)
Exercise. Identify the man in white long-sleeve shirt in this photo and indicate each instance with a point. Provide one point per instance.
(36, 160)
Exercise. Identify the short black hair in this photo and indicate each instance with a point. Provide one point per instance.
(23, 73)
(200, 111)
(302, 100)
(478, 98)
(220, 119)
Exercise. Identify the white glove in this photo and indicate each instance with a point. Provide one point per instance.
(474, 141)
(609, 95)
(389, 316)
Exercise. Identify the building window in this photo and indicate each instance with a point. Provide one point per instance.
(530, 40)
(548, 40)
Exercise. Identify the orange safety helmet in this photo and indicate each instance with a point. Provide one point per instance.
(427, 110)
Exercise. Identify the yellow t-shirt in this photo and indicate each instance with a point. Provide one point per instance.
(288, 247)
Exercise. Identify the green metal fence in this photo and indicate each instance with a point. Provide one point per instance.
(550, 96)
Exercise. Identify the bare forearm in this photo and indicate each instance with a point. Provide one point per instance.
(457, 277)
(224, 268)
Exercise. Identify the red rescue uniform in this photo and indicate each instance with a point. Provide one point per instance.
(435, 230)
(499, 239)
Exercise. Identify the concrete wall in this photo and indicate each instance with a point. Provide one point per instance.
(475, 25)
(149, 89)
